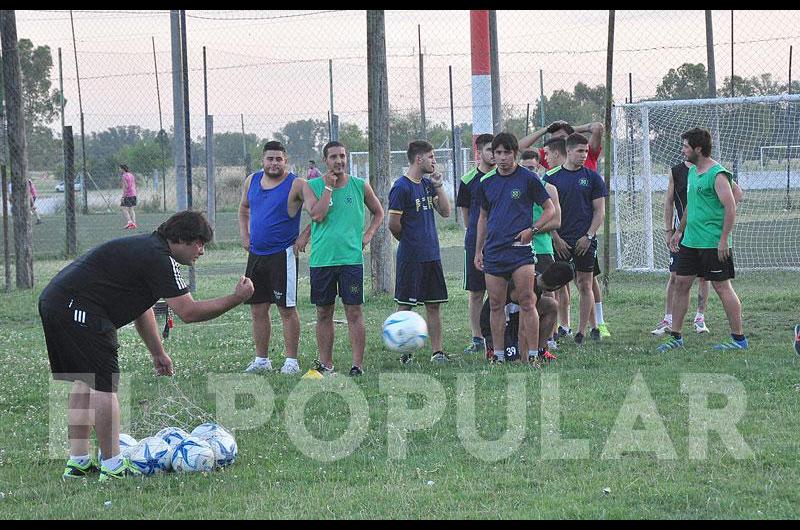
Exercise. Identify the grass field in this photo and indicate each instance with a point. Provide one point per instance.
(445, 473)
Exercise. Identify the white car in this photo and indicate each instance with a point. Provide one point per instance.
(77, 186)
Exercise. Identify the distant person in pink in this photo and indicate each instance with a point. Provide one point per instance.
(128, 197)
(33, 195)
(313, 172)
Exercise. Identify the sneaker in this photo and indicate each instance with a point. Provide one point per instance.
(670, 344)
(290, 367)
(547, 356)
(128, 226)
(663, 327)
(797, 339)
(440, 357)
(579, 338)
(594, 334)
(732, 344)
(700, 326)
(604, 330)
(406, 358)
(125, 469)
(497, 360)
(475, 347)
(563, 332)
(75, 470)
(355, 371)
(324, 370)
(552, 345)
(38, 221)
(258, 367)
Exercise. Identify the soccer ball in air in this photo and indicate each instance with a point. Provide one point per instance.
(405, 331)
(193, 454)
(150, 455)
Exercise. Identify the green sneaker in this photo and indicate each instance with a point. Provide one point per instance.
(603, 330)
(75, 470)
(125, 469)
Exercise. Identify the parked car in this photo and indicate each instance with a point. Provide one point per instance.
(78, 186)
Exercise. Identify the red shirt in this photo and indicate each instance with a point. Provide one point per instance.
(591, 160)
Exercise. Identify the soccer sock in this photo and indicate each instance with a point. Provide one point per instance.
(668, 318)
(500, 354)
(113, 462)
(738, 338)
(533, 354)
(598, 313)
(81, 460)
(699, 316)
(262, 360)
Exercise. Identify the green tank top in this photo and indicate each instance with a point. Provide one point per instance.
(543, 242)
(705, 213)
(337, 239)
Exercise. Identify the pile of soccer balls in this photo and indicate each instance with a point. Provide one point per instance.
(207, 447)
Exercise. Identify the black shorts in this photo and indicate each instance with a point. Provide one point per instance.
(596, 266)
(128, 202)
(474, 279)
(543, 262)
(81, 345)
(420, 283)
(703, 262)
(583, 263)
(274, 278)
(673, 261)
(347, 280)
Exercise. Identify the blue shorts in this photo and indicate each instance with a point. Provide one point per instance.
(420, 283)
(505, 263)
(473, 278)
(346, 280)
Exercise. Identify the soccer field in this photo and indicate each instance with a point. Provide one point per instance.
(455, 467)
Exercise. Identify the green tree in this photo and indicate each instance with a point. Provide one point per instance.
(303, 140)
(688, 81)
(353, 138)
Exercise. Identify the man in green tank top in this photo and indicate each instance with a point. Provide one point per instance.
(706, 230)
(336, 203)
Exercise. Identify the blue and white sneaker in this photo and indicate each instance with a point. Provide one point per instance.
(732, 344)
(670, 344)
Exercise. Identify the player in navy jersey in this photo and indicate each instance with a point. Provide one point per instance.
(467, 200)
(581, 193)
(505, 229)
(419, 277)
(110, 286)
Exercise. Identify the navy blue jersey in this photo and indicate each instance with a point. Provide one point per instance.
(680, 179)
(508, 201)
(419, 241)
(468, 198)
(576, 191)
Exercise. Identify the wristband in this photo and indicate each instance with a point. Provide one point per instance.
(329, 188)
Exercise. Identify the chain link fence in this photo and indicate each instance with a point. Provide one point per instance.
(296, 75)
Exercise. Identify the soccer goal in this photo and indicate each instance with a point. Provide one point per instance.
(646, 142)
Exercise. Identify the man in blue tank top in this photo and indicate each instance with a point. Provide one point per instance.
(269, 233)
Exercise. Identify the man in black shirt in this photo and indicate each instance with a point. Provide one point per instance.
(110, 286)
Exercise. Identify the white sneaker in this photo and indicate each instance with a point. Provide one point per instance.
(552, 345)
(290, 367)
(700, 326)
(258, 366)
(663, 327)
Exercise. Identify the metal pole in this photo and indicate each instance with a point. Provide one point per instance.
(334, 124)
(177, 114)
(69, 193)
(61, 88)
(423, 125)
(527, 119)
(497, 122)
(6, 249)
(788, 134)
(541, 98)
(161, 133)
(607, 168)
(211, 205)
(188, 130)
(732, 91)
(454, 143)
(84, 183)
(245, 155)
(712, 81)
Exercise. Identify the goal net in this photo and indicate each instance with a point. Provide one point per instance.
(646, 141)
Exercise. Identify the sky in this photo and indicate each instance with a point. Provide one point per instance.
(269, 67)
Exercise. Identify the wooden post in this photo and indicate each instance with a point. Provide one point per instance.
(69, 193)
(607, 164)
(6, 249)
(381, 258)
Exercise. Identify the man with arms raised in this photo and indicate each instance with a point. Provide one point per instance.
(110, 286)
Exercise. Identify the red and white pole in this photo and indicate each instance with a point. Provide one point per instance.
(481, 75)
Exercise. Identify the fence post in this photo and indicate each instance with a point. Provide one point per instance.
(69, 192)
(211, 187)
(6, 249)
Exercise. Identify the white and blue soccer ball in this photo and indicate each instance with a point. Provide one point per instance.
(150, 455)
(126, 444)
(172, 435)
(193, 454)
(224, 447)
(208, 429)
(405, 331)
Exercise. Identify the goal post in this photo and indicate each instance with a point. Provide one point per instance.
(646, 143)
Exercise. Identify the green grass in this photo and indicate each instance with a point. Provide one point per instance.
(439, 478)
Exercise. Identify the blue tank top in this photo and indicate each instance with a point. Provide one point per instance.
(271, 228)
